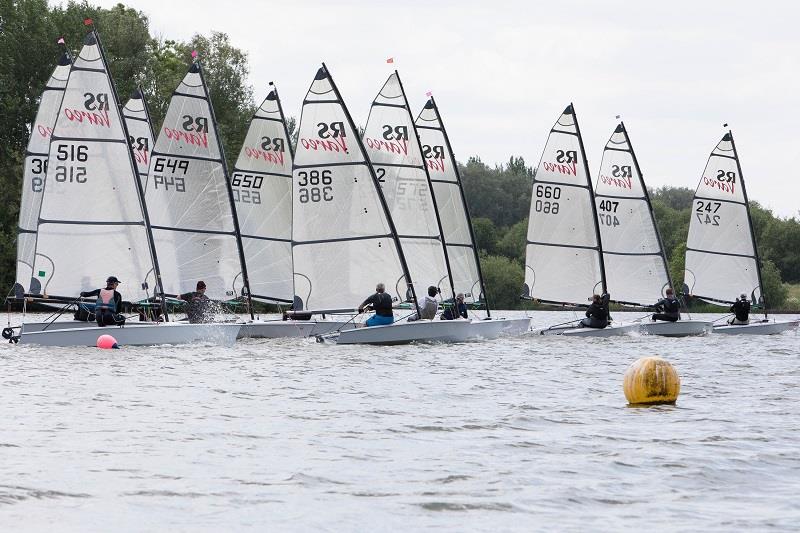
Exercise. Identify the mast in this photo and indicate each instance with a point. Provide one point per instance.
(139, 190)
(749, 222)
(464, 203)
(592, 201)
(381, 197)
(649, 204)
(245, 279)
(430, 186)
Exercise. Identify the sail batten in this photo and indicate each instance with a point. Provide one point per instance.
(636, 266)
(563, 259)
(721, 253)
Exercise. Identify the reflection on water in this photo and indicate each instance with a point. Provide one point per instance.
(530, 433)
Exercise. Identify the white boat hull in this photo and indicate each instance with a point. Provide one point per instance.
(291, 328)
(406, 332)
(757, 328)
(681, 328)
(142, 335)
(610, 331)
(29, 327)
(496, 327)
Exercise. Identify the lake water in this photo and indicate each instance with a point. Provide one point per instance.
(519, 434)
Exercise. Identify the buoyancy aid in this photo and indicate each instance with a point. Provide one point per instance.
(672, 305)
(105, 301)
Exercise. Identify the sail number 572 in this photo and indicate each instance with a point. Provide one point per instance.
(547, 197)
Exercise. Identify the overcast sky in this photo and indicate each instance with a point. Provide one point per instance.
(502, 72)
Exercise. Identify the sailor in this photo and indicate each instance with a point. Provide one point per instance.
(427, 307)
(381, 303)
(457, 309)
(109, 301)
(668, 309)
(741, 311)
(198, 305)
(596, 314)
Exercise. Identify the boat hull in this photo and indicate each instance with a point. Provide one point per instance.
(496, 327)
(757, 328)
(610, 331)
(291, 328)
(29, 327)
(681, 328)
(407, 332)
(142, 335)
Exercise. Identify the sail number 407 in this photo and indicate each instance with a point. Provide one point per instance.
(706, 212)
(607, 216)
(314, 186)
(547, 197)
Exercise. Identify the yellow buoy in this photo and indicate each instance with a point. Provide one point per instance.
(651, 381)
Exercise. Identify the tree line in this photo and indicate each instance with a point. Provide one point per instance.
(498, 197)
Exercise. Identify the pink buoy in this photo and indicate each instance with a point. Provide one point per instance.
(107, 342)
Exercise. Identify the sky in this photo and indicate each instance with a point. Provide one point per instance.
(502, 72)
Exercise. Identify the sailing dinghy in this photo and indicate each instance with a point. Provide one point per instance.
(92, 214)
(344, 240)
(633, 255)
(262, 194)
(457, 234)
(721, 252)
(563, 257)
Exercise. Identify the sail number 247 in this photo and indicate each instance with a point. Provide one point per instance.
(706, 212)
(547, 197)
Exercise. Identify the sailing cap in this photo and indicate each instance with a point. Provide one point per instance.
(201, 285)
(112, 279)
(743, 296)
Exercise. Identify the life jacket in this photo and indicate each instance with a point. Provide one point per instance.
(105, 301)
(383, 305)
(672, 305)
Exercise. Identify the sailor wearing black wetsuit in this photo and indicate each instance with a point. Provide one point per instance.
(596, 314)
(382, 305)
(741, 310)
(109, 302)
(668, 309)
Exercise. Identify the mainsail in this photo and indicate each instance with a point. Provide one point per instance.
(394, 149)
(344, 242)
(34, 175)
(635, 265)
(190, 199)
(451, 204)
(563, 259)
(92, 222)
(262, 192)
(721, 255)
(140, 132)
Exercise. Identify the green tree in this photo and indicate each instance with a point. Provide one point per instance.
(486, 234)
(775, 291)
(512, 244)
(504, 279)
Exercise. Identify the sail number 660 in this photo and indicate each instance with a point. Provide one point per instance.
(547, 192)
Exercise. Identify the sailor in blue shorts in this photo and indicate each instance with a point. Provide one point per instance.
(382, 305)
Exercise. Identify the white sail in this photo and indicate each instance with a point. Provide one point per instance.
(392, 145)
(189, 200)
(721, 258)
(91, 223)
(34, 175)
(140, 132)
(342, 239)
(635, 266)
(443, 170)
(262, 192)
(562, 256)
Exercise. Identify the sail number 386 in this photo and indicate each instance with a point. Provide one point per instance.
(314, 186)
(547, 197)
